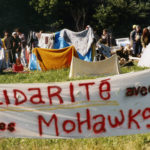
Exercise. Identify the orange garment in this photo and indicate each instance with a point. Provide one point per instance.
(53, 58)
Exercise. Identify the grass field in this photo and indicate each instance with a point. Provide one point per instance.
(132, 142)
(49, 76)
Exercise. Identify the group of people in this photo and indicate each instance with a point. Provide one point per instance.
(14, 46)
(139, 39)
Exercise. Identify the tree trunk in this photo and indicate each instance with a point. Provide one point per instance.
(79, 16)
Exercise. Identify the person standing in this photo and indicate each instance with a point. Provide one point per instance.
(23, 47)
(131, 35)
(6, 55)
(145, 38)
(136, 37)
(16, 47)
(32, 40)
(105, 38)
(8, 40)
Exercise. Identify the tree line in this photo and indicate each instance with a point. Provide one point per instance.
(117, 16)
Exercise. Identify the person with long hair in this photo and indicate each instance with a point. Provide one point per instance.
(145, 38)
(105, 38)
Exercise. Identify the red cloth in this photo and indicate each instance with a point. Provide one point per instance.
(17, 68)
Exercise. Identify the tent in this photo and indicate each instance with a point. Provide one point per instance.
(106, 67)
(54, 59)
(82, 41)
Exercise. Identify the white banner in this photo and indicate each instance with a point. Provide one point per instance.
(112, 106)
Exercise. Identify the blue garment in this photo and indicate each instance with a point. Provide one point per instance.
(87, 57)
(1, 44)
(33, 63)
(59, 42)
(137, 46)
(137, 49)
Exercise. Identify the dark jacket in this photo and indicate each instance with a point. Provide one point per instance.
(16, 44)
(9, 42)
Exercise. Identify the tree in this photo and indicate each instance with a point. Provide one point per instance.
(53, 15)
(75, 14)
(18, 14)
(119, 15)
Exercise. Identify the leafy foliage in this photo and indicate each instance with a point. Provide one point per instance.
(116, 15)
(18, 14)
(75, 14)
(120, 15)
(53, 15)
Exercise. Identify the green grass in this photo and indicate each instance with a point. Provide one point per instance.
(35, 76)
(38, 77)
(131, 142)
(50, 76)
(132, 69)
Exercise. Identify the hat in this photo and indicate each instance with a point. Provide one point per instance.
(134, 26)
(14, 33)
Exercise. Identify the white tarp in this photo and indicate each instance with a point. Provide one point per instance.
(80, 68)
(114, 49)
(46, 40)
(2, 58)
(82, 41)
(122, 42)
(112, 106)
(145, 58)
(134, 58)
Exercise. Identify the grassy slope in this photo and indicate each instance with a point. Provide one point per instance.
(49, 76)
(133, 142)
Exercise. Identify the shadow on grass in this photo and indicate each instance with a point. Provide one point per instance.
(7, 73)
(14, 73)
